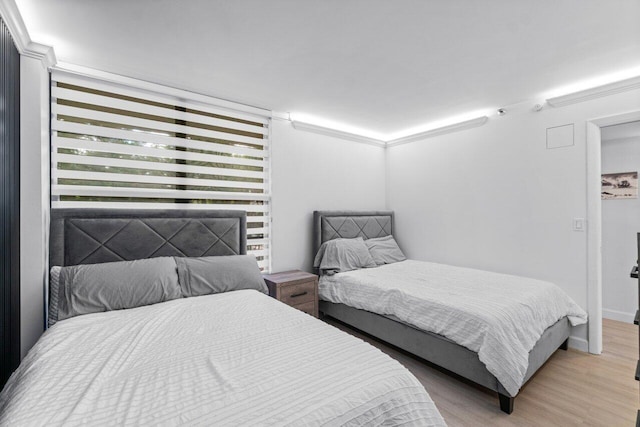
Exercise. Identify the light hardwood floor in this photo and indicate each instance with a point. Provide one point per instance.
(572, 389)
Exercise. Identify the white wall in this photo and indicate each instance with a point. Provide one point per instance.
(493, 197)
(34, 197)
(496, 198)
(315, 172)
(620, 223)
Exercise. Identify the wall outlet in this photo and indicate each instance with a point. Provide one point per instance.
(579, 224)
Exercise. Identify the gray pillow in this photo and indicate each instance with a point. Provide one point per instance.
(93, 288)
(215, 274)
(384, 250)
(54, 286)
(340, 255)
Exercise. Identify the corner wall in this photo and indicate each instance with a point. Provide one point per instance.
(316, 172)
(495, 198)
(34, 197)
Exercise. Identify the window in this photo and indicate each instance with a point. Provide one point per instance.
(118, 146)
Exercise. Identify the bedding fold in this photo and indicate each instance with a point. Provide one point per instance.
(235, 358)
(499, 316)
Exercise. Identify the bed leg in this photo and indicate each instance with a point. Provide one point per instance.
(506, 403)
(565, 345)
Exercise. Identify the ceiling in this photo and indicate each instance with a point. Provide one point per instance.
(379, 65)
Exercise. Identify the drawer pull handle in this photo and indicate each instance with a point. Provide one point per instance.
(299, 294)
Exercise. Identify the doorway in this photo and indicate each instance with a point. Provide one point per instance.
(594, 222)
(620, 161)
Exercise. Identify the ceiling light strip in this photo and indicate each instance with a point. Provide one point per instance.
(323, 130)
(455, 127)
(595, 92)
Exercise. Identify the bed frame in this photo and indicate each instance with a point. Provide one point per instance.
(93, 236)
(432, 347)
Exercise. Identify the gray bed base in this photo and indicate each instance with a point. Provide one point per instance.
(443, 352)
(431, 347)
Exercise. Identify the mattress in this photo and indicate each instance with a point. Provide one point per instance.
(499, 316)
(238, 358)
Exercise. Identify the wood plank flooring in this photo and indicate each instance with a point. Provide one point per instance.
(572, 389)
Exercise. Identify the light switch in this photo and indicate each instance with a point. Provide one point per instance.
(579, 224)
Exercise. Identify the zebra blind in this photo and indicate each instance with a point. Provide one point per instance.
(115, 146)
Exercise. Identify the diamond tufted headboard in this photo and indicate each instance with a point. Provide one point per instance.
(91, 236)
(328, 225)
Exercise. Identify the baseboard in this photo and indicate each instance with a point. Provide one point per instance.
(579, 344)
(620, 316)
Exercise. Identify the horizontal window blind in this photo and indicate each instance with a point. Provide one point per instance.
(116, 146)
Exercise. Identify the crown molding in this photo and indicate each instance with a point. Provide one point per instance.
(158, 88)
(279, 115)
(336, 133)
(42, 52)
(12, 18)
(456, 127)
(618, 119)
(595, 92)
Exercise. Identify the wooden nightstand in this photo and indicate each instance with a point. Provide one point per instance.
(295, 288)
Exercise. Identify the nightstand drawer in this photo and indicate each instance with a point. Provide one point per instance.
(308, 307)
(295, 288)
(298, 294)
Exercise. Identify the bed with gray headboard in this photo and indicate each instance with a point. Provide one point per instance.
(429, 346)
(93, 236)
(194, 354)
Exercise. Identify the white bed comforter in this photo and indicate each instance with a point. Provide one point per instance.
(238, 358)
(501, 317)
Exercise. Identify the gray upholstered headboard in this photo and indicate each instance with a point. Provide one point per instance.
(328, 225)
(91, 236)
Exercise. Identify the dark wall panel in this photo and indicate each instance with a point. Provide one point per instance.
(9, 204)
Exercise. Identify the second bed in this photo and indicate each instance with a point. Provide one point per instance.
(496, 330)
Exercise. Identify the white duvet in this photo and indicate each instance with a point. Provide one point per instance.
(501, 317)
(238, 358)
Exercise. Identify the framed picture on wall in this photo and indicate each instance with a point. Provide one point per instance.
(621, 185)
